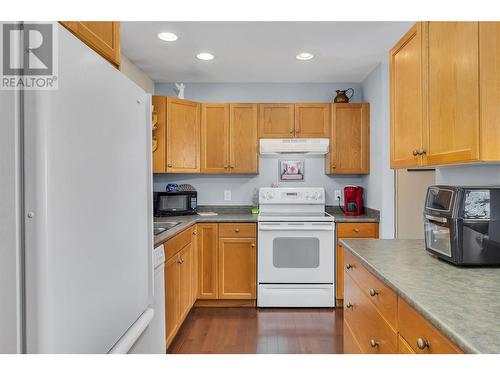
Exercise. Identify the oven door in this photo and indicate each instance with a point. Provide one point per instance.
(296, 252)
(438, 235)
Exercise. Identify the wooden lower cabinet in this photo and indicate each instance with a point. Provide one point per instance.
(207, 241)
(213, 264)
(422, 336)
(227, 261)
(172, 297)
(377, 321)
(403, 346)
(373, 333)
(237, 268)
(349, 230)
(179, 280)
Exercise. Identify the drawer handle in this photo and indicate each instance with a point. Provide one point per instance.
(373, 292)
(373, 343)
(253, 245)
(423, 343)
(356, 230)
(349, 305)
(348, 266)
(237, 230)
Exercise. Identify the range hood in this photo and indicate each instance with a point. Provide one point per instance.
(306, 146)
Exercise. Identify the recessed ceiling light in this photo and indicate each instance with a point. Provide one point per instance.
(168, 37)
(304, 56)
(205, 56)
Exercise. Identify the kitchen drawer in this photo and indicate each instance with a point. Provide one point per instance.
(175, 244)
(415, 330)
(404, 347)
(371, 331)
(357, 230)
(374, 289)
(351, 346)
(238, 230)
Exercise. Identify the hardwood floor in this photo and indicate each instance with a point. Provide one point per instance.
(253, 330)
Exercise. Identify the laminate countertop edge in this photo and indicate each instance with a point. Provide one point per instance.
(449, 332)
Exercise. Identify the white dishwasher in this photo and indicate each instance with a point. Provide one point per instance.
(152, 340)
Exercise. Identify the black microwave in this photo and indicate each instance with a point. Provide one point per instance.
(462, 224)
(181, 201)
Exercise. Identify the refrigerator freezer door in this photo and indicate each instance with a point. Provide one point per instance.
(88, 186)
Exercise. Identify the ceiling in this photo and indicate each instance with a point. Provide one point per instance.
(260, 51)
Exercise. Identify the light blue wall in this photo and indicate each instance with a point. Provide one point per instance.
(380, 182)
(261, 92)
(211, 187)
(475, 175)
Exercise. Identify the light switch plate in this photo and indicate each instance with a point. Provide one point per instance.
(227, 195)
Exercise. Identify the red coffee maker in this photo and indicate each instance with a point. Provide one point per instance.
(353, 200)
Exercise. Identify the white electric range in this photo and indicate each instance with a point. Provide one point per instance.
(296, 262)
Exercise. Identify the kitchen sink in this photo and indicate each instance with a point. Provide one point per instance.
(162, 227)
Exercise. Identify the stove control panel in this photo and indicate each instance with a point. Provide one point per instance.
(292, 195)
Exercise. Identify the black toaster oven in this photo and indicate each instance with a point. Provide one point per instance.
(462, 224)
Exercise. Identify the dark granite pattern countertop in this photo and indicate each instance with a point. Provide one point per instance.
(464, 303)
(369, 216)
(242, 214)
(225, 214)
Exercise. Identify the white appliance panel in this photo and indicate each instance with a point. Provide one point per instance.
(296, 252)
(88, 184)
(295, 295)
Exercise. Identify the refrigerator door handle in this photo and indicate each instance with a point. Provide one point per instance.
(133, 333)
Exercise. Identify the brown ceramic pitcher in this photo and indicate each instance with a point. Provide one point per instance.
(342, 96)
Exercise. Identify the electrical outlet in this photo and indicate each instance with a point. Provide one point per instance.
(338, 195)
(227, 195)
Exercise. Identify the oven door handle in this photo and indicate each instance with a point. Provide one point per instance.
(436, 220)
(296, 228)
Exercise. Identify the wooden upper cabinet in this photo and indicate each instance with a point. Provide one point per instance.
(243, 139)
(276, 120)
(407, 115)
(102, 36)
(453, 92)
(489, 66)
(312, 120)
(229, 141)
(350, 141)
(183, 136)
(159, 134)
(215, 138)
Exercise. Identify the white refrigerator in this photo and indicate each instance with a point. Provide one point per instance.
(76, 211)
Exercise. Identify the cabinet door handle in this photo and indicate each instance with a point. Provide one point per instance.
(231, 166)
(253, 245)
(415, 152)
(226, 166)
(423, 343)
(169, 165)
(349, 305)
(422, 152)
(291, 131)
(373, 292)
(374, 343)
(348, 266)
